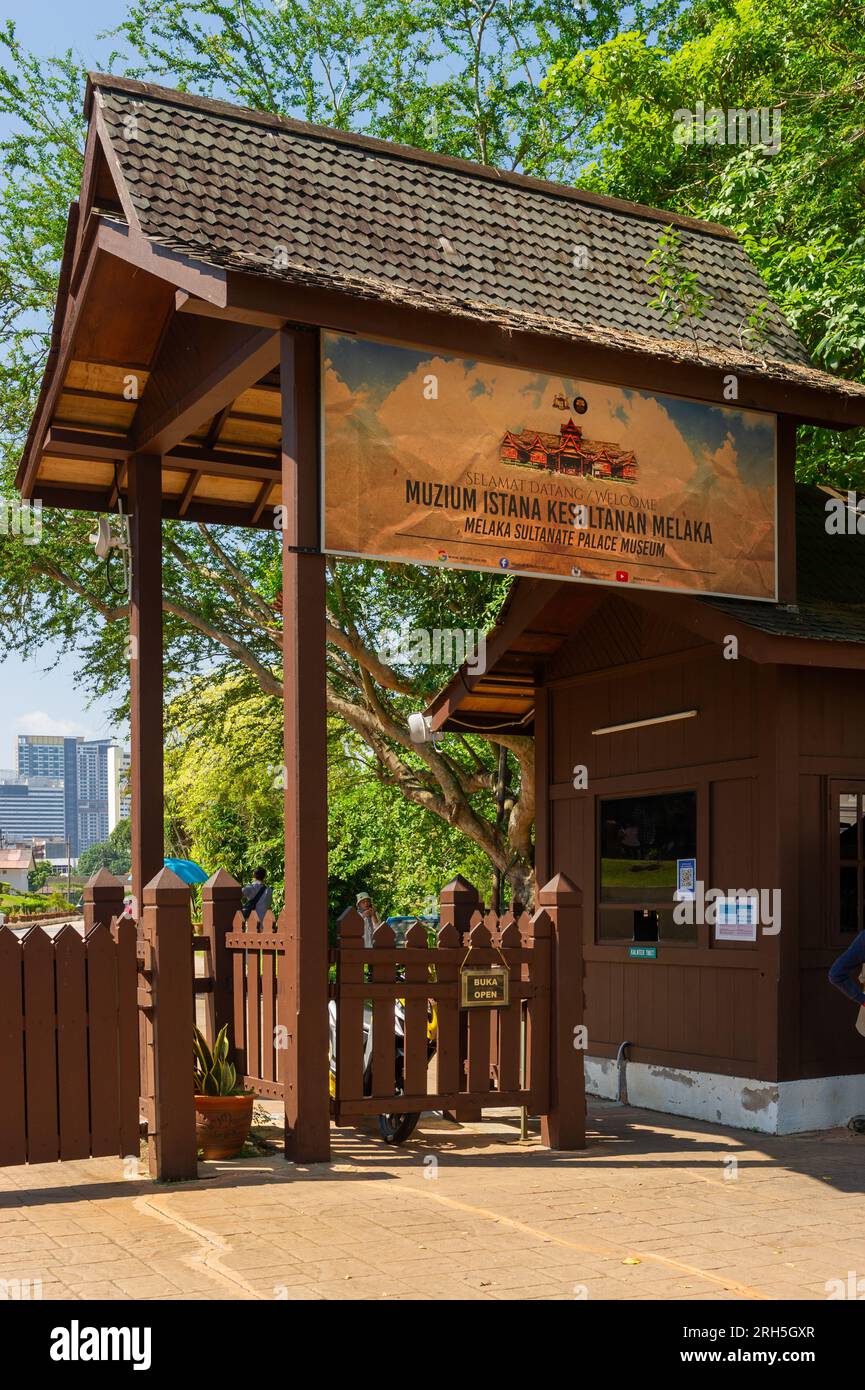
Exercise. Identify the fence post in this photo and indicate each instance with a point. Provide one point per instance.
(458, 901)
(166, 937)
(220, 901)
(565, 1125)
(103, 900)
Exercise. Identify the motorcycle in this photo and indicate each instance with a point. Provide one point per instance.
(394, 1128)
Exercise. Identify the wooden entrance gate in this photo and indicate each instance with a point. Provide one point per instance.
(525, 1053)
(483, 1057)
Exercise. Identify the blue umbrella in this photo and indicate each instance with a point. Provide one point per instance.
(187, 869)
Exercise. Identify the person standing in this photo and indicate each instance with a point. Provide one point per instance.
(257, 896)
(850, 963)
(368, 915)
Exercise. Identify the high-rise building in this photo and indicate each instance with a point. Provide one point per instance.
(79, 768)
(119, 802)
(92, 792)
(32, 809)
(42, 755)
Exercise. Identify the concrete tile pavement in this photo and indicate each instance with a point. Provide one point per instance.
(653, 1209)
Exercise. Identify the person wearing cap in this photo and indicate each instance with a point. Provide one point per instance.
(369, 916)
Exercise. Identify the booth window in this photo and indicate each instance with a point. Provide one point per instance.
(850, 862)
(639, 840)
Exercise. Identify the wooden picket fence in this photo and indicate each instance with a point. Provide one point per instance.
(95, 1028)
(95, 1033)
(68, 1046)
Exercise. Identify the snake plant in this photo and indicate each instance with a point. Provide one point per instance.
(214, 1074)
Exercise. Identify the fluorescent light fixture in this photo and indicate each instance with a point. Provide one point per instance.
(644, 723)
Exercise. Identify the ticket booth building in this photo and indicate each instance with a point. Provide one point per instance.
(731, 734)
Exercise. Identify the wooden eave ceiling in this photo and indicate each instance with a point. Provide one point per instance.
(116, 397)
(539, 617)
(131, 372)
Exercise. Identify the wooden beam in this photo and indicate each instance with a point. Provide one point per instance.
(145, 673)
(95, 499)
(223, 464)
(216, 424)
(465, 333)
(83, 443)
(307, 1109)
(177, 267)
(201, 367)
(261, 502)
(189, 492)
(186, 303)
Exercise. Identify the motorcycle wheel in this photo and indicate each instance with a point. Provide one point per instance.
(395, 1129)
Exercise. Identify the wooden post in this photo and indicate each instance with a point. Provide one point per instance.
(145, 672)
(103, 900)
(220, 901)
(565, 1125)
(307, 1109)
(349, 1015)
(165, 935)
(458, 901)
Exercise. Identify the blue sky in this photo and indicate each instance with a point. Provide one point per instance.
(34, 699)
(51, 26)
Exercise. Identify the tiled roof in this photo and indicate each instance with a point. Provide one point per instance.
(18, 857)
(830, 581)
(311, 204)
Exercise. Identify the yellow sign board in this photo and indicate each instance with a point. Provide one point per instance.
(432, 458)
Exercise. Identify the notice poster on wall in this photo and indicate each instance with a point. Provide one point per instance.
(439, 459)
(736, 919)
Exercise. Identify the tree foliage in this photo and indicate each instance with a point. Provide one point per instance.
(113, 854)
(566, 91)
(799, 212)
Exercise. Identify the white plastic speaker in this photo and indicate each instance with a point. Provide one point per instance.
(102, 539)
(420, 728)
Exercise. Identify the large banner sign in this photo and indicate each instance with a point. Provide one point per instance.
(437, 459)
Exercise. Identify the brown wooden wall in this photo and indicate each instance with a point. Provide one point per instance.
(759, 754)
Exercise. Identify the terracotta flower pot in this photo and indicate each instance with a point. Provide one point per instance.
(222, 1124)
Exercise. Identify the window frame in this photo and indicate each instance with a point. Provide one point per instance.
(601, 906)
(840, 786)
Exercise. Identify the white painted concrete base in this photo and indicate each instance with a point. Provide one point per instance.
(784, 1107)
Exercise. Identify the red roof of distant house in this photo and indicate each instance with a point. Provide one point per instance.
(16, 857)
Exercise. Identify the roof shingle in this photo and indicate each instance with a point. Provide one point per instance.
(305, 202)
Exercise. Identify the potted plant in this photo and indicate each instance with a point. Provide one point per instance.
(223, 1110)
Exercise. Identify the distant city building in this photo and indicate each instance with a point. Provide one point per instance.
(34, 809)
(92, 792)
(79, 767)
(119, 804)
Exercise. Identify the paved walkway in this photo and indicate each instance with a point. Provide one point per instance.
(655, 1208)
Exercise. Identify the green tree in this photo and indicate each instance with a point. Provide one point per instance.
(459, 76)
(113, 854)
(39, 875)
(799, 211)
(547, 87)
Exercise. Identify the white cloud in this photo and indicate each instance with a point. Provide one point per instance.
(38, 722)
